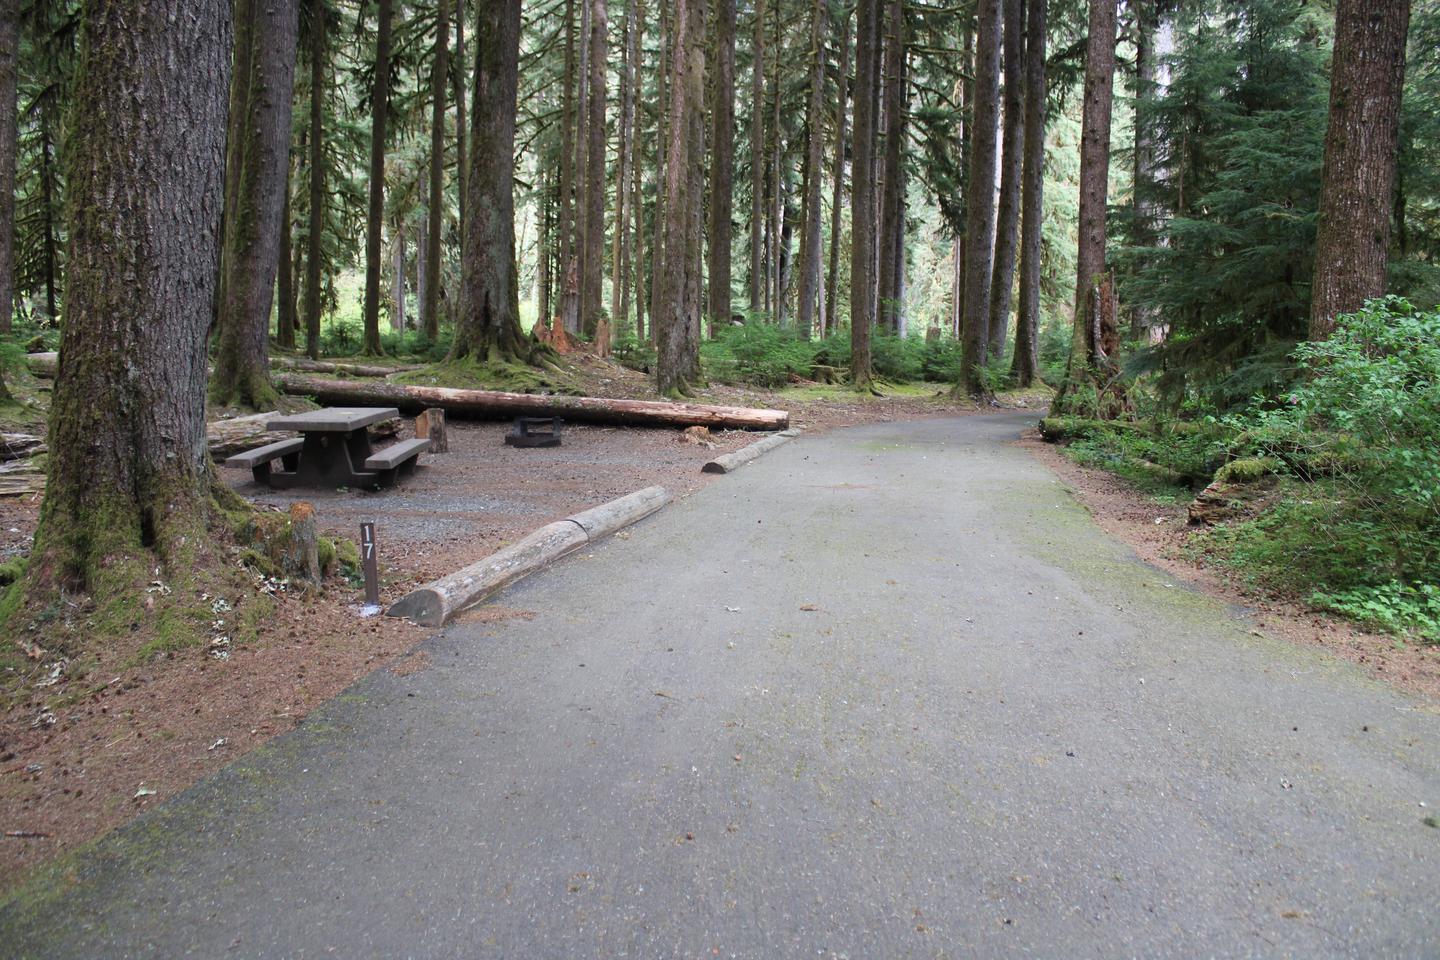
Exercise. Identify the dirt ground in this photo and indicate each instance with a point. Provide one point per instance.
(1159, 532)
(76, 763)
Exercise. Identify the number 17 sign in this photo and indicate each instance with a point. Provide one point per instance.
(369, 564)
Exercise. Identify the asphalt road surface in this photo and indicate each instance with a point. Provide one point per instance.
(884, 693)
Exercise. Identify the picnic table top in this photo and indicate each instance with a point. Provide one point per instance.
(333, 419)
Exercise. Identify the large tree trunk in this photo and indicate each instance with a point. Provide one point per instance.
(1096, 339)
(1025, 365)
(722, 166)
(620, 242)
(9, 60)
(129, 472)
(892, 199)
(570, 115)
(814, 173)
(440, 68)
(832, 282)
(980, 201)
(1367, 74)
(397, 280)
(258, 159)
(862, 193)
(676, 305)
(285, 282)
(462, 154)
(593, 256)
(1008, 216)
(319, 54)
(489, 327)
(757, 162)
(375, 218)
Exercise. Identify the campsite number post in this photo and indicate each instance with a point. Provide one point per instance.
(367, 561)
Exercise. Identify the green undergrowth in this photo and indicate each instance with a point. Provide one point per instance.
(1349, 456)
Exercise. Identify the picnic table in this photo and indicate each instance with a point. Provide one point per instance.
(333, 450)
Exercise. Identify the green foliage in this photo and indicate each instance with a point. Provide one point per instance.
(758, 353)
(633, 352)
(1394, 606)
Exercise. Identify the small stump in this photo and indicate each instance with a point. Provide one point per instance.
(430, 425)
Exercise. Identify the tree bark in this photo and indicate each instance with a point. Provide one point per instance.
(837, 196)
(374, 221)
(892, 200)
(258, 158)
(1367, 76)
(319, 54)
(440, 70)
(722, 166)
(862, 194)
(397, 281)
(1096, 337)
(285, 282)
(620, 242)
(462, 155)
(757, 162)
(489, 327)
(569, 278)
(129, 472)
(1012, 149)
(1025, 365)
(593, 256)
(814, 172)
(980, 201)
(9, 61)
(676, 311)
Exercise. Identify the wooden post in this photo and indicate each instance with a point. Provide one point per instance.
(430, 424)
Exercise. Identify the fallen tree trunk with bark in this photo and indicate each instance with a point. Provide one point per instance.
(46, 365)
(493, 404)
(344, 369)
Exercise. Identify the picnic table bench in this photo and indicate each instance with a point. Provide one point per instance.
(333, 450)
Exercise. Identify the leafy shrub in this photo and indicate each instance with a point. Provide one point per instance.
(759, 354)
(1394, 606)
(633, 352)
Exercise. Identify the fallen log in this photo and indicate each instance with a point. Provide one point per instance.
(46, 364)
(436, 602)
(493, 404)
(331, 366)
(17, 446)
(727, 462)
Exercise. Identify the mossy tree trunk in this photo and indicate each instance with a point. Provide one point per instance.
(862, 193)
(375, 218)
(1007, 218)
(676, 299)
(1096, 337)
(314, 242)
(257, 161)
(9, 60)
(129, 472)
(891, 254)
(980, 202)
(592, 256)
(489, 326)
(722, 167)
(440, 67)
(814, 172)
(829, 320)
(1025, 365)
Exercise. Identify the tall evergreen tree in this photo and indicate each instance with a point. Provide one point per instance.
(1367, 77)
(375, 219)
(980, 200)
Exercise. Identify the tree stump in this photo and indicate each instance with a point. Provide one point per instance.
(301, 555)
(430, 425)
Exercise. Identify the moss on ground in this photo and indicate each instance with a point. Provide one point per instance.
(510, 377)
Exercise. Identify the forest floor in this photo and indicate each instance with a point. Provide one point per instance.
(80, 756)
(1160, 534)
